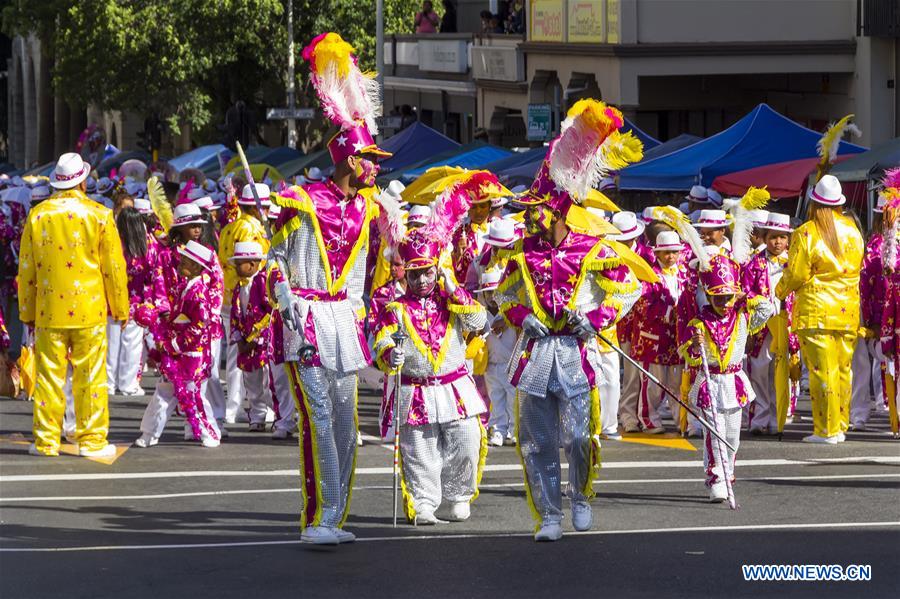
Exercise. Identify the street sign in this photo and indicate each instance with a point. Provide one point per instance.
(540, 122)
(283, 114)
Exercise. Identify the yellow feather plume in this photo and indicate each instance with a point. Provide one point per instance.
(333, 50)
(160, 203)
(830, 142)
(755, 199)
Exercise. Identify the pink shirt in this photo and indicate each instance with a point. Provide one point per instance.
(424, 24)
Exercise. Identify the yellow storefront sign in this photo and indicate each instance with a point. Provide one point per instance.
(547, 20)
(586, 23)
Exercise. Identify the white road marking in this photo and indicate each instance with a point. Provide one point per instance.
(17, 478)
(447, 537)
(597, 483)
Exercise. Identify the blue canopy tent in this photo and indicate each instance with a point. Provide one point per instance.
(762, 137)
(473, 158)
(517, 159)
(649, 142)
(410, 145)
(278, 156)
(676, 143)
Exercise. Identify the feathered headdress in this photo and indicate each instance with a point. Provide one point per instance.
(160, 203)
(891, 218)
(831, 141)
(590, 147)
(754, 199)
(391, 222)
(350, 98)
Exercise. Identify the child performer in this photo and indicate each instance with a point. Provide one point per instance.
(717, 351)
(500, 341)
(654, 340)
(183, 340)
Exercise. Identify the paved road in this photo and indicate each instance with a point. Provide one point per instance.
(178, 520)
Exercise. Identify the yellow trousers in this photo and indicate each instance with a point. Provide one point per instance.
(86, 347)
(778, 329)
(828, 355)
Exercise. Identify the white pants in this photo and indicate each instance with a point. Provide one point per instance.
(69, 416)
(213, 391)
(233, 379)
(503, 397)
(124, 356)
(287, 411)
(762, 379)
(610, 391)
(651, 396)
(161, 406)
(630, 391)
(259, 395)
(728, 424)
(866, 375)
(440, 461)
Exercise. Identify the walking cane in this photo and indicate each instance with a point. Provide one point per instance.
(667, 391)
(398, 337)
(732, 502)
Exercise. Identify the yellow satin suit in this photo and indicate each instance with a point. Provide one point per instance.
(71, 271)
(244, 228)
(826, 316)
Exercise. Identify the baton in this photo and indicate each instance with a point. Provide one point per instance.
(249, 175)
(399, 337)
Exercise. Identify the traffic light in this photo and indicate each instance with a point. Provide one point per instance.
(150, 138)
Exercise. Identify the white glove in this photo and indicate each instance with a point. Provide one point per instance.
(581, 326)
(293, 309)
(879, 354)
(533, 327)
(449, 284)
(397, 358)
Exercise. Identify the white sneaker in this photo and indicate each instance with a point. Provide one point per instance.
(209, 441)
(549, 531)
(281, 434)
(146, 440)
(613, 436)
(343, 536)
(510, 440)
(582, 515)
(718, 493)
(33, 450)
(318, 535)
(425, 517)
(460, 511)
(359, 439)
(138, 392)
(821, 440)
(107, 451)
(496, 439)
(841, 437)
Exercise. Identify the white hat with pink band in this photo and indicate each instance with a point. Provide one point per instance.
(828, 192)
(197, 252)
(502, 232)
(711, 219)
(778, 222)
(247, 250)
(628, 225)
(668, 241)
(187, 214)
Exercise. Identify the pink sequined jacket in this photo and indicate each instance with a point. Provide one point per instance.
(251, 316)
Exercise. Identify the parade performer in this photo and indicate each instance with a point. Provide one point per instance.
(320, 253)
(71, 271)
(769, 352)
(711, 224)
(823, 268)
(654, 340)
(560, 289)
(247, 227)
(717, 348)
(182, 348)
(890, 318)
(442, 441)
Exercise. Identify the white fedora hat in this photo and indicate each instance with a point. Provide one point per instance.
(778, 222)
(314, 175)
(197, 252)
(714, 197)
(698, 194)
(418, 215)
(394, 190)
(204, 203)
(628, 224)
(274, 212)
(490, 280)
(143, 206)
(711, 219)
(759, 217)
(668, 241)
(69, 172)
(501, 232)
(262, 190)
(39, 193)
(247, 250)
(187, 214)
(828, 192)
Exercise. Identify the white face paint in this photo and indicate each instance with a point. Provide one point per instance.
(422, 280)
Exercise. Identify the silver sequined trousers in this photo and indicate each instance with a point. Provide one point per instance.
(440, 461)
(332, 412)
(544, 424)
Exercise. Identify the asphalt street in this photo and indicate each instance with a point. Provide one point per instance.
(178, 520)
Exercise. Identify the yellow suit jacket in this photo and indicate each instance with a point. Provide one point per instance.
(71, 266)
(827, 286)
(244, 228)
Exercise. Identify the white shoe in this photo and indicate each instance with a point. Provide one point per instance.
(582, 515)
(107, 451)
(138, 392)
(460, 511)
(359, 439)
(281, 434)
(33, 450)
(613, 436)
(510, 440)
(496, 439)
(821, 440)
(318, 535)
(146, 440)
(343, 536)
(718, 493)
(188, 432)
(549, 531)
(425, 518)
(841, 437)
(209, 441)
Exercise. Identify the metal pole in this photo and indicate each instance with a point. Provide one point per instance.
(291, 102)
(398, 337)
(379, 47)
